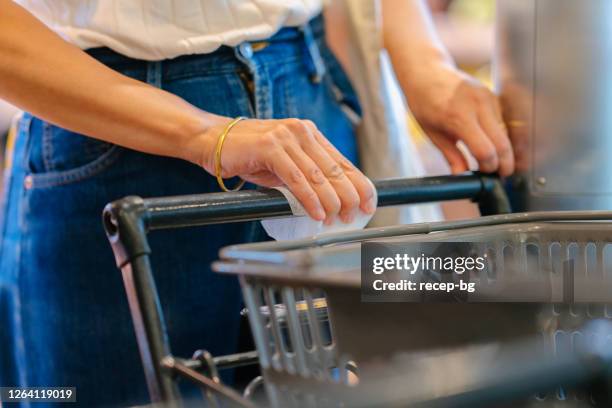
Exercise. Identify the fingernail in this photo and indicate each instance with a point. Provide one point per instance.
(370, 206)
(328, 221)
(490, 165)
(319, 214)
(351, 217)
(348, 217)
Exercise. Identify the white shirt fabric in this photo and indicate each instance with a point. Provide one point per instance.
(160, 29)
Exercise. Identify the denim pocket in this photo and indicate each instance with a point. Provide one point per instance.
(58, 156)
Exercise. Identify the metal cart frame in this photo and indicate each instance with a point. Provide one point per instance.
(127, 222)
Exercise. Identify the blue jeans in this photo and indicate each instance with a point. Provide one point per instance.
(64, 318)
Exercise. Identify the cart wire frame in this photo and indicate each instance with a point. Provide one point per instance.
(127, 222)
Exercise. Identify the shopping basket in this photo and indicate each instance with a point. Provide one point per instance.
(320, 278)
(127, 222)
(521, 369)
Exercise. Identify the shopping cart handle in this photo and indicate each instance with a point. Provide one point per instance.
(127, 221)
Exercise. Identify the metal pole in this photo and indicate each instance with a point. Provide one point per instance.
(232, 397)
(247, 205)
(123, 221)
(493, 199)
(150, 329)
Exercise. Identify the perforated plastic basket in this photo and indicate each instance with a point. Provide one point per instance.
(303, 348)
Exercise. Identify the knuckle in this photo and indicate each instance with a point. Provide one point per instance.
(296, 176)
(316, 176)
(307, 137)
(335, 171)
(309, 124)
(283, 131)
(268, 141)
(297, 131)
(455, 119)
(347, 166)
(294, 125)
(293, 122)
(284, 136)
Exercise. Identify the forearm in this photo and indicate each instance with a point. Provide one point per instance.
(411, 40)
(63, 85)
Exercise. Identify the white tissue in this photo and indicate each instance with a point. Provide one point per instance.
(301, 225)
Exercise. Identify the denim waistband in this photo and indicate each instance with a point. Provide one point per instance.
(288, 44)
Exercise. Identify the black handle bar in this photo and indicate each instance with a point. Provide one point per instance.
(128, 219)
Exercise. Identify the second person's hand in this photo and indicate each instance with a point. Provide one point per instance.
(294, 153)
(451, 106)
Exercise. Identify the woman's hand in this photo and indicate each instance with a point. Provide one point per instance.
(294, 153)
(450, 106)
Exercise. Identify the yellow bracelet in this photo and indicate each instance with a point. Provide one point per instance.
(220, 142)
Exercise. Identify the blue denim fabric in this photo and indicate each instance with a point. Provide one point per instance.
(64, 318)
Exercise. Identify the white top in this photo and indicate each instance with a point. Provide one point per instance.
(160, 29)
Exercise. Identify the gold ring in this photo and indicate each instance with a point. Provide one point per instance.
(517, 123)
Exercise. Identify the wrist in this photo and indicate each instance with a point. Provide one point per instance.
(431, 66)
(428, 76)
(429, 92)
(199, 147)
(420, 57)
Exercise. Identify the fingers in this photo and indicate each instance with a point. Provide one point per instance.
(491, 121)
(467, 111)
(334, 173)
(340, 188)
(364, 187)
(293, 152)
(448, 147)
(292, 176)
(478, 143)
(327, 193)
